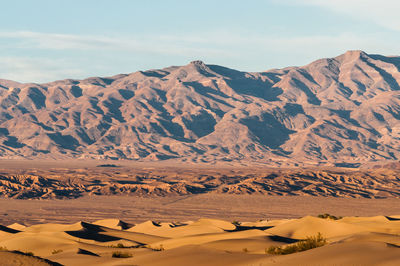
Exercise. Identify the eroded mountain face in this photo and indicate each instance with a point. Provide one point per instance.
(342, 109)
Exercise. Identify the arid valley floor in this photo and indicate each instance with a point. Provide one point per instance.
(83, 212)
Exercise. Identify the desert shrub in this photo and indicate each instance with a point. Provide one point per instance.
(245, 250)
(236, 223)
(118, 254)
(328, 216)
(159, 248)
(27, 253)
(119, 245)
(56, 251)
(309, 243)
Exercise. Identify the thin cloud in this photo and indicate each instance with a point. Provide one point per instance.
(38, 69)
(170, 45)
(81, 56)
(383, 12)
(219, 44)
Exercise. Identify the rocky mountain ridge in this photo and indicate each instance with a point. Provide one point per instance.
(337, 110)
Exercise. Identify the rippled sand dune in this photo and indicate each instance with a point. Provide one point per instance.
(350, 241)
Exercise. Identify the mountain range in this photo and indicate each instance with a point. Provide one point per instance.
(334, 111)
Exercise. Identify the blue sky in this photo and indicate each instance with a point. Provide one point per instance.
(46, 40)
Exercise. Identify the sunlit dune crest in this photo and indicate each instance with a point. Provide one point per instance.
(347, 240)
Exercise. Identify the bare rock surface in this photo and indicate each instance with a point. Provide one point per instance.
(337, 110)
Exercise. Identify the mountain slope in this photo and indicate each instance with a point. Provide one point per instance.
(334, 110)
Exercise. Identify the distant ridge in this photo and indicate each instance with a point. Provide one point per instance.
(337, 110)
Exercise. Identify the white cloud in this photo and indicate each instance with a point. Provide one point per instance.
(27, 69)
(164, 44)
(381, 12)
(203, 44)
(81, 56)
(55, 41)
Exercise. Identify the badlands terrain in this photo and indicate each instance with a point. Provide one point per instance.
(74, 179)
(35, 192)
(334, 111)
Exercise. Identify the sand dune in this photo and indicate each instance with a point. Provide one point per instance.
(350, 241)
(301, 228)
(11, 258)
(358, 253)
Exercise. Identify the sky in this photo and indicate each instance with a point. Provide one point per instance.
(47, 40)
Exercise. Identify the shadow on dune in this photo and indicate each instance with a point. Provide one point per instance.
(8, 230)
(87, 252)
(49, 262)
(392, 218)
(245, 228)
(124, 225)
(92, 232)
(173, 225)
(283, 239)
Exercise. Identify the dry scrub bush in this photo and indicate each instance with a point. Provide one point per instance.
(119, 245)
(56, 251)
(160, 248)
(118, 254)
(309, 243)
(328, 216)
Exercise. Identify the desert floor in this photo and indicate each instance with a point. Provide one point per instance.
(74, 213)
(135, 209)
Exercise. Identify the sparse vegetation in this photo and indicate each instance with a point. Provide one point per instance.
(236, 223)
(309, 243)
(27, 253)
(119, 245)
(159, 248)
(245, 250)
(56, 251)
(328, 216)
(119, 254)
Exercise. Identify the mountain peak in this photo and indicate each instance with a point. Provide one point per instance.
(354, 54)
(334, 110)
(200, 67)
(198, 63)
